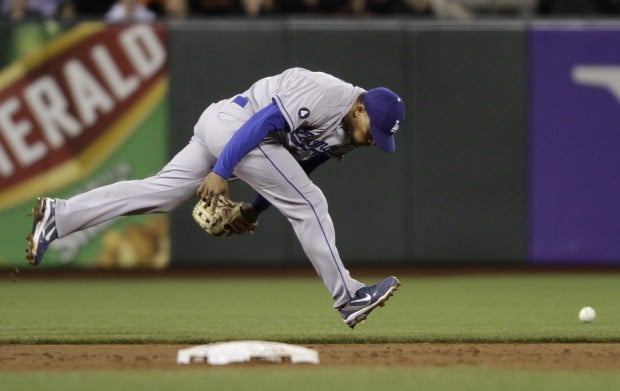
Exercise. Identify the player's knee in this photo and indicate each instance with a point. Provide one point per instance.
(313, 202)
(318, 202)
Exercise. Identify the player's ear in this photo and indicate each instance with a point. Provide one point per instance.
(359, 109)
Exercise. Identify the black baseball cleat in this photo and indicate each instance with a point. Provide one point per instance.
(43, 230)
(367, 299)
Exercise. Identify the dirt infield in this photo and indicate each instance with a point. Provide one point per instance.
(163, 357)
(535, 356)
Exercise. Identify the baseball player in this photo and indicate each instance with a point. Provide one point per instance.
(271, 136)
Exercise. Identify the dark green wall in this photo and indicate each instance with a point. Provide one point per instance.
(469, 147)
(455, 190)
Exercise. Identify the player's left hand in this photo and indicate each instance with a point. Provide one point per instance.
(212, 188)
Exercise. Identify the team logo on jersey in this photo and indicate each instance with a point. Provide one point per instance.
(303, 113)
(395, 127)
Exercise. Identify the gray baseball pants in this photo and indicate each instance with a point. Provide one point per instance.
(269, 169)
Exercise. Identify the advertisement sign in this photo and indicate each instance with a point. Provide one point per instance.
(575, 145)
(78, 111)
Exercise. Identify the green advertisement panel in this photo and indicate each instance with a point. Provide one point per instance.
(81, 107)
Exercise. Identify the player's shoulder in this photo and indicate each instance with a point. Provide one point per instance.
(341, 97)
(322, 88)
(319, 78)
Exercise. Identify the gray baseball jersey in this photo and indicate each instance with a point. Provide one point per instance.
(313, 105)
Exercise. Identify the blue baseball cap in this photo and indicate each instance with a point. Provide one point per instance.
(386, 111)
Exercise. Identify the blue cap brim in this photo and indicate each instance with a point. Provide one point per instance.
(383, 141)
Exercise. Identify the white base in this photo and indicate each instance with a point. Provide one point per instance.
(223, 353)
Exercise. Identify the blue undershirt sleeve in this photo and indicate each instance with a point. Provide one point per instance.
(248, 137)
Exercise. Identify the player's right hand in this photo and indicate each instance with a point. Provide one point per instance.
(212, 188)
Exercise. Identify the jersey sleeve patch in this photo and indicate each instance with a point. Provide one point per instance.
(303, 113)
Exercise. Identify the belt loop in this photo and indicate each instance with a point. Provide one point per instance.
(240, 100)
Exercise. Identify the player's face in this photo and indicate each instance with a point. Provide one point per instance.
(358, 125)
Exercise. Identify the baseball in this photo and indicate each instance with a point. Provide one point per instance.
(587, 314)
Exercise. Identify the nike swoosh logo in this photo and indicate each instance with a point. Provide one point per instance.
(366, 298)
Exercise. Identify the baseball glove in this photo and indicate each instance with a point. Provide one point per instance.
(226, 220)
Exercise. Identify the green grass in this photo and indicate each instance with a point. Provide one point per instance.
(492, 308)
(462, 379)
(430, 309)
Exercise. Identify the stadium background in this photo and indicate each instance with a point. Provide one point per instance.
(506, 157)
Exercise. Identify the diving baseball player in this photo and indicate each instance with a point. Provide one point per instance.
(271, 137)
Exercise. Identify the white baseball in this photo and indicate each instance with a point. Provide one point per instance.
(587, 314)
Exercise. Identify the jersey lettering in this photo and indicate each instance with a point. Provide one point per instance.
(307, 140)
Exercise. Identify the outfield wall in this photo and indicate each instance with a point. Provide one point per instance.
(507, 155)
(484, 172)
(456, 189)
